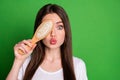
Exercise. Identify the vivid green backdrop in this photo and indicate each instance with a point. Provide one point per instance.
(95, 29)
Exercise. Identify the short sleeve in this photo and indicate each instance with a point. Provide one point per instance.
(23, 68)
(20, 74)
(80, 69)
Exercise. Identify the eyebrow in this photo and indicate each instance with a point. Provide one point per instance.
(59, 22)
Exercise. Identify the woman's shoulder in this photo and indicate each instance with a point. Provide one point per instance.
(79, 64)
(25, 64)
(23, 68)
(77, 60)
(80, 68)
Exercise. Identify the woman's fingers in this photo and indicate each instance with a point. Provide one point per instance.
(27, 42)
(24, 46)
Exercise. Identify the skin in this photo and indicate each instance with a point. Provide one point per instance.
(53, 41)
(52, 56)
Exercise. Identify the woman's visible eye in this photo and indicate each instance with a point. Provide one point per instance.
(60, 27)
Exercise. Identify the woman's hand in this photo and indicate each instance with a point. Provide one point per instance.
(25, 47)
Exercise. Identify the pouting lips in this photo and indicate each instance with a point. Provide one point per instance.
(53, 41)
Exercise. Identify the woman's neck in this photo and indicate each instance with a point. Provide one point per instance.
(52, 54)
(52, 60)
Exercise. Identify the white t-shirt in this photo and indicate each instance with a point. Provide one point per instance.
(40, 74)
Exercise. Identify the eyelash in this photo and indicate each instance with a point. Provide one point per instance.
(60, 27)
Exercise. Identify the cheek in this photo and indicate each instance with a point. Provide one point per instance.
(62, 38)
(45, 40)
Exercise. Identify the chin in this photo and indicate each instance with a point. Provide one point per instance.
(53, 46)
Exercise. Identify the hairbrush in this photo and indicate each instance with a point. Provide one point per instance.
(42, 31)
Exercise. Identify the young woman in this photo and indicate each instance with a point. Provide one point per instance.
(50, 58)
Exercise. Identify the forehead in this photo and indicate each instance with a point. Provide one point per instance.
(53, 16)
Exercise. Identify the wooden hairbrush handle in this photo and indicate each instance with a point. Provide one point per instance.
(42, 31)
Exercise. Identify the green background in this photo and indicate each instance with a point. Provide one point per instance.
(95, 29)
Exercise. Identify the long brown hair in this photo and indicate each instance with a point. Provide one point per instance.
(66, 48)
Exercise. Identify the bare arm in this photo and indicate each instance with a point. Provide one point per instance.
(20, 58)
(13, 74)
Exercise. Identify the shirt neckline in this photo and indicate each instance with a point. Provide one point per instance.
(51, 73)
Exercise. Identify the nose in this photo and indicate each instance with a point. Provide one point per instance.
(53, 33)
